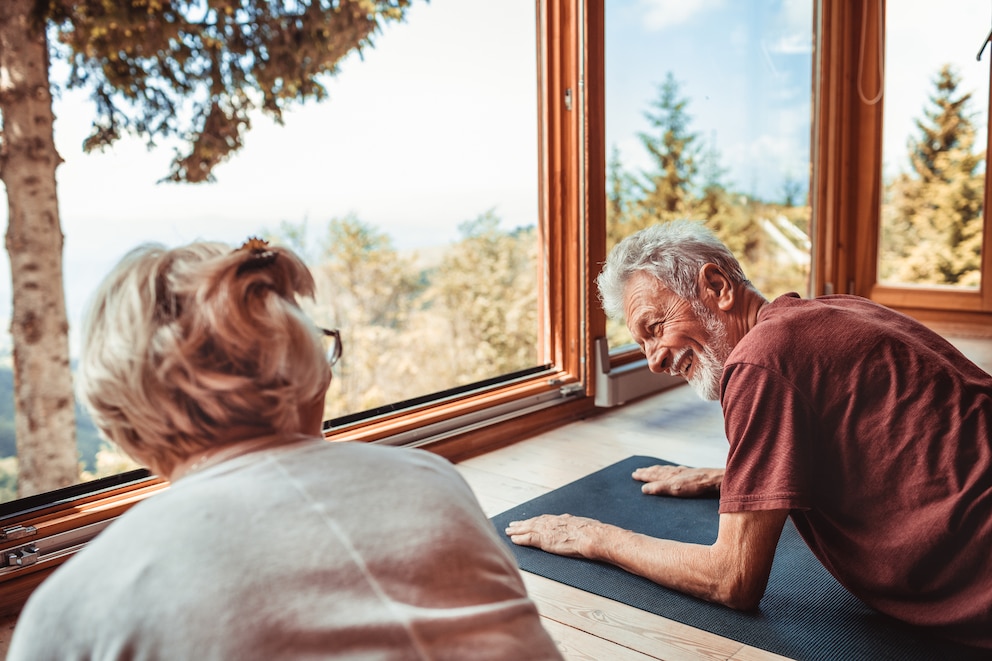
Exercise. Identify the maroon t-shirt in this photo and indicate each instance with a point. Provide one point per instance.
(876, 434)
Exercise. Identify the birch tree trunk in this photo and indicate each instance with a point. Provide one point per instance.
(44, 412)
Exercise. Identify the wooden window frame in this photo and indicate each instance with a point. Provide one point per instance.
(846, 184)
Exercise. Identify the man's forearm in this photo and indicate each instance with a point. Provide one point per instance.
(733, 571)
(689, 568)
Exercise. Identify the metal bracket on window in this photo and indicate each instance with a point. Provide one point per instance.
(21, 557)
(46, 549)
(568, 99)
(572, 390)
(16, 532)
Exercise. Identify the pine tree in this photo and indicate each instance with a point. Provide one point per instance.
(932, 220)
(667, 191)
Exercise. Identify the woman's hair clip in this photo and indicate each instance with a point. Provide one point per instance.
(259, 254)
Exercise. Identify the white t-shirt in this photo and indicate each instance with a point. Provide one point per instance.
(314, 550)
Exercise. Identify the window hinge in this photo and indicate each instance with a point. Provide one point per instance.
(16, 532)
(22, 557)
(572, 390)
(568, 99)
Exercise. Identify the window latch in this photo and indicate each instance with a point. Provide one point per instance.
(22, 557)
(45, 549)
(16, 532)
(572, 390)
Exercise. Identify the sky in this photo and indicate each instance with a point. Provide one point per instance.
(380, 147)
(743, 67)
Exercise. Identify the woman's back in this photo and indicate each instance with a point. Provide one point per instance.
(311, 550)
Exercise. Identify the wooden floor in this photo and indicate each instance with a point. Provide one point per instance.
(674, 425)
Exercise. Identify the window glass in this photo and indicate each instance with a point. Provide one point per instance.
(708, 111)
(412, 192)
(935, 118)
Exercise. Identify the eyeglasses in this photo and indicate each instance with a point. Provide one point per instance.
(332, 345)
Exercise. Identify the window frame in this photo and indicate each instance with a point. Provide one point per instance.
(847, 176)
(571, 157)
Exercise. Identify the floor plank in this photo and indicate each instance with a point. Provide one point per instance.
(626, 626)
(578, 645)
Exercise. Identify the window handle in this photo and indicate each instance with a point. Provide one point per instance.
(984, 44)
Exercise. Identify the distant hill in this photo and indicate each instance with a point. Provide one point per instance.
(87, 438)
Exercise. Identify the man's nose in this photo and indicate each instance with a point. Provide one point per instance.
(659, 358)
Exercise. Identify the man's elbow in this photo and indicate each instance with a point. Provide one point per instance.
(740, 593)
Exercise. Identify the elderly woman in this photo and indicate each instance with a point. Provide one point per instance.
(270, 543)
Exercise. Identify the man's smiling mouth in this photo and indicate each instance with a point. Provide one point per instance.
(682, 366)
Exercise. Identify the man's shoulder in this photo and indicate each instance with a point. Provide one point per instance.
(792, 304)
(801, 319)
(790, 328)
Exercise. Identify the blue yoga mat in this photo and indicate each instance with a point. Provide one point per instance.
(805, 613)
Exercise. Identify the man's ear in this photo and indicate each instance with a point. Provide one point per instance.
(715, 287)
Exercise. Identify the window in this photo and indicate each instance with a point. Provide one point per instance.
(708, 112)
(519, 184)
(870, 237)
(935, 132)
(413, 193)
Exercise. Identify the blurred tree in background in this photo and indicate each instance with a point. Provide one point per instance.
(367, 291)
(415, 325)
(932, 215)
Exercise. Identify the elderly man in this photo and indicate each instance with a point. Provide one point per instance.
(872, 432)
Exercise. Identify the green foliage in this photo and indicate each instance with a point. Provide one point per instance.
(367, 290)
(372, 284)
(109, 460)
(197, 70)
(8, 433)
(486, 290)
(667, 191)
(8, 479)
(414, 325)
(932, 215)
(620, 189)
(88, 439)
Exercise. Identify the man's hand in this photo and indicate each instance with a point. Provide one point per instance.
(563, 534)
(680, 481)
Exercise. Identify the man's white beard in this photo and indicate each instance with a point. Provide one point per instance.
(708, 365)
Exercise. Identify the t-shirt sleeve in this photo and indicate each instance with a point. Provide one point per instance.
(769, 427)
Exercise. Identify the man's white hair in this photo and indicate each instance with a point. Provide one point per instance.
(673, 252)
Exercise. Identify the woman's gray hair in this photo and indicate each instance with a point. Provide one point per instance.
(197, 347)
(673, 252)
